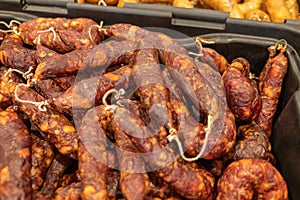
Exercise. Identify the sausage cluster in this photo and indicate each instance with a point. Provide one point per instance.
(126, 113)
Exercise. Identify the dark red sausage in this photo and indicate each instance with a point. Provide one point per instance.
(13, 54)
(270, 84)
(15, 162)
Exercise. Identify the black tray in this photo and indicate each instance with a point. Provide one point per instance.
(285, 138)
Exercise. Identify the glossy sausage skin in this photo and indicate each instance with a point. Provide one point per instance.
(241, 92)
(255, 177)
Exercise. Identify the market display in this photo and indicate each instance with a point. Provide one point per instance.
(126, 113)
(269, 11)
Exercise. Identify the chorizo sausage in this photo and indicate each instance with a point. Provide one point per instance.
(109, 53)
(52, 64)
(13, 54)
(255, 177)
(42, 156)
(241, 92)
(56, 127)
(135, 34)
(192, 185)
(134, 180)
(78, 96)
(270, 82)
(252, 142)
(92, 154)
(15, 162)
(154, 96)
(48, 88)
(227, 134)
(211, 103)
(29, 30)
(54, 174)
(64, 41)
(176, 57)
(214, 59)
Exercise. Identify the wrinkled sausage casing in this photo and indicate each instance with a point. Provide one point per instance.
(92, 154)
(54, 65)
(29, 29)
(55, 173)
(15, 162)
(252, 142)
(248, 178)
(42, 156)
(270, 85)
(241, 92)
(64, 41)
(134, 180)
(176, 57)
(192, 184)
(153, 94)
(57, 128)
(13, 54)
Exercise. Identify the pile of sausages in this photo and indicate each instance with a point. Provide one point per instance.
(126, 113)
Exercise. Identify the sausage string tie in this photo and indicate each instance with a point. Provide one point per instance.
(118, 96)
(102, 3)
(199, 42)
(26, 75)
(100, 28)
(41, 105)
(38, 39)
(281, 45)
(174, 137)
(13, 28)
(252, 76)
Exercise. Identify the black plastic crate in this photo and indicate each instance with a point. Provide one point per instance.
(232, 38)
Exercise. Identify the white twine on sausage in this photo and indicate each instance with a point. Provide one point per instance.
(199, 42)
(38, 39)
(174, 137)
(118, 95)
(281, 45)
(41, 105)
(11, 26)
(100, 28)
(102, 3)
(27, 76)
(173, 133)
